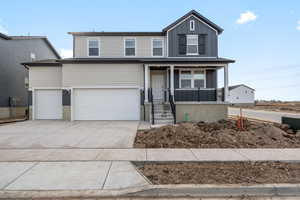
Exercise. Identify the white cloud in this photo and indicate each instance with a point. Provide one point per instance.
(298, 27)
(246, 17)
(66, 53)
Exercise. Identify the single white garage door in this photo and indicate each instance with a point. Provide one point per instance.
(48, 104)
(106, 104)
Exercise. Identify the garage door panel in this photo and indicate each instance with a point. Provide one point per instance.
(106, 104)
(48, 104)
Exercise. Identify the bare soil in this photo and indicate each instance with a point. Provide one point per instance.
(222, 134)
(245, 173)
(293, 107)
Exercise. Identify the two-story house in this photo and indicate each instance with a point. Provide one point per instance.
(160, 77)
(13, 76)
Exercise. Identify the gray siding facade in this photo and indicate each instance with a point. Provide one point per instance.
(12, 73)
(211, 47)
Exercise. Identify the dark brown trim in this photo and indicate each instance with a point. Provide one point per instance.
(116, 33)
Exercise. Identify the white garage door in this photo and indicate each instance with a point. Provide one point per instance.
(48, 104)
(106, 104)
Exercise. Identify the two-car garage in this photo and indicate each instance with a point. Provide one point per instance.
(106, 104)
(89, 104)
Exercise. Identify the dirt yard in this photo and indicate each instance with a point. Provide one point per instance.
(222, 173)
(293, 107)
(223, 134)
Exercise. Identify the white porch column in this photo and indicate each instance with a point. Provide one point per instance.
(146, 82)
(172, 79)
(226, 90)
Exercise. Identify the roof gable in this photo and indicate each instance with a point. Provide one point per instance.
(240, 85)
(197, 15)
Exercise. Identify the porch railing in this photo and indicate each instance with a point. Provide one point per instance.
(200, 94)
(172, 105)
(150, 98)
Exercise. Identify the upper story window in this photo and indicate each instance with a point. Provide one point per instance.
(192, 45)
(93, 47)
(130, 45)
(192, 25)
(157, 47)
(192, 79)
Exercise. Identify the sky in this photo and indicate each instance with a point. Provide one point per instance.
(263, 36)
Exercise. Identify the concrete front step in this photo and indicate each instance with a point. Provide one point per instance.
(163, 121)
(157, 116)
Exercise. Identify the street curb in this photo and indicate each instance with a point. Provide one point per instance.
(259, 190)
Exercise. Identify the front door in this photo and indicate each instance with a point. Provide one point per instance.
(157, 85)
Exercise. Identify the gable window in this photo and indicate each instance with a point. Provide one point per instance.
(130, 47)
(32, 56)
(192, 25)
(93, 47)
(157, 47)
(192, 79)
(192, 45)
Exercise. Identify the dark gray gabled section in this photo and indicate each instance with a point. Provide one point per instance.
(202, 29)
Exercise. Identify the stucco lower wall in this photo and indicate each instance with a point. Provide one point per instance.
(67, 113)
(147, 109)
(201, 112)
(12, 112)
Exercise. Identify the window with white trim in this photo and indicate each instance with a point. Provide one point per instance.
(186, 78)
(192, 44)
(192, 25)
(130, 47)
(192, 79)
(157, 47)
(93, 47)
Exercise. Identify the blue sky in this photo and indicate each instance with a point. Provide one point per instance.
(265, 42)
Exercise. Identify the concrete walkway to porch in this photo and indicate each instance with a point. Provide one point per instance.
(130, 154)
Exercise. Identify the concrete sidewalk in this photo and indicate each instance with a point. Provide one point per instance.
(97, 175)
(59, 155)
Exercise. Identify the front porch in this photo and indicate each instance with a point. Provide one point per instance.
(185, 83)
(186, 92)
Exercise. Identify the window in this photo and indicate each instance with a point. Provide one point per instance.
(192, 45)
(157, 47)
(192, 79)
(93, 47)
(199, 77)
(32, 56)
(192, 25)
(186, 79)
(129, 47)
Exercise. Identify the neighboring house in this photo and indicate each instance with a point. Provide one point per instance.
(13, 76)
(160, 77)
(241, 95)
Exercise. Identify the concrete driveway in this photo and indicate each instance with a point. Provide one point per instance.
(42, 134)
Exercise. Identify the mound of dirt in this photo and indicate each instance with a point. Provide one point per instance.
(222, 134)
(222, 173)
